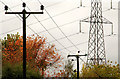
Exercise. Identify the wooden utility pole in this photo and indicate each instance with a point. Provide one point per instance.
(24, 17)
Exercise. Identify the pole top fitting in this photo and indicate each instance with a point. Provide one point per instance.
(6, 7)
(24, 5)
(42, 7)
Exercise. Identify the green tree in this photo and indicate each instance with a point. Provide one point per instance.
(102, 70)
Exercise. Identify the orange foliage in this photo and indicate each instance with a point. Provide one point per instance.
(39, 54)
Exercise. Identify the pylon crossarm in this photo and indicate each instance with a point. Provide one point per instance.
(106, 21)
(86, 19)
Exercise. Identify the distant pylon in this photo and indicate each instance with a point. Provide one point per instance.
(96, 46)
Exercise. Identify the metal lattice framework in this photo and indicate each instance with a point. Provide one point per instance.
(96, 46)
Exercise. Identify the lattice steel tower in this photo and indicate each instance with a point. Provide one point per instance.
(96, 46)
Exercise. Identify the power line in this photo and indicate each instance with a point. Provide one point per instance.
(43, 30)
(35, 22)
(55, 27)
(19, 18)
(42, 20)
(68, 36)
(48, 17)
(78, 45)
(58, 26)
(56, 14)
(75, 45)
(10, 10)
(29, 1)
(47, 30)
(82, 43)
(14, 18)
(64, 37)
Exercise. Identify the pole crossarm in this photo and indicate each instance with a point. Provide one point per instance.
(77, 57)
(22, 12)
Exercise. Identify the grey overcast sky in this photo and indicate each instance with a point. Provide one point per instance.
(66, 15)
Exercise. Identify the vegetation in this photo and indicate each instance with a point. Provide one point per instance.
(103, 70)
(69, 69)
(39, 55)
(43, 60)
(15, 72)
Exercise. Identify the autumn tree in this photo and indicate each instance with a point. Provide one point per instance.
(40, 55)
(102, 70)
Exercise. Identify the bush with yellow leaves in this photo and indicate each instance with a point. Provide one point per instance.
(102, 70)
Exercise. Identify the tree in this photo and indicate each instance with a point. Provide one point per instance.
(68, 69)
(102, 70)
(40, 55)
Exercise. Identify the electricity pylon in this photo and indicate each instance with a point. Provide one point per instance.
(96, 46)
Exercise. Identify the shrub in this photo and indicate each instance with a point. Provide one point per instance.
(16, 72)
